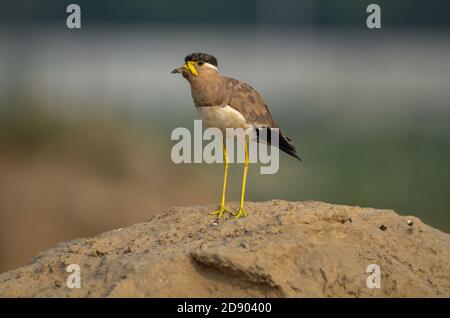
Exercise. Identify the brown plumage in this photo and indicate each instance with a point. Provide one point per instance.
(246, 100)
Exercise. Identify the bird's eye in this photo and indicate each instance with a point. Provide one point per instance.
(200, 63)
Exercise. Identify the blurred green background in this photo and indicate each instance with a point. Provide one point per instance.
(86, 115)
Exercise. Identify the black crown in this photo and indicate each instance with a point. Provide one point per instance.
(201, 57)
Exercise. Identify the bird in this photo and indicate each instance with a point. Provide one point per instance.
(223, 102)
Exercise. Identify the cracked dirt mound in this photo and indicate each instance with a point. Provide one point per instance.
(287, 249)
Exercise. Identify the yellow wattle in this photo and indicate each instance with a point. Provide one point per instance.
(190, 66)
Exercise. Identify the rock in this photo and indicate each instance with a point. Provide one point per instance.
(283, 249)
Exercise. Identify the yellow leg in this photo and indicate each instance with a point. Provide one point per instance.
(241, 212)
(222, 208)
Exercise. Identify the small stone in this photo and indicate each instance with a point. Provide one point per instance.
(127, 250)
(383, 227)
(410, 223)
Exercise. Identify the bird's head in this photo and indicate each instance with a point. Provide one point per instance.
(197, 65)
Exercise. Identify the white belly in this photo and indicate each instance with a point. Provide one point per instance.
(222, 117)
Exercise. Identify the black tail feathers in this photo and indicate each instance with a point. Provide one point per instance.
(284, 143)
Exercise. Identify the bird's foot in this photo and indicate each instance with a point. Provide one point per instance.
(220, 212)
(240, 213)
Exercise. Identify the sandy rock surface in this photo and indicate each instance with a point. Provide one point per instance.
(283, 249)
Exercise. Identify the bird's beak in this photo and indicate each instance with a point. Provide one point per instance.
(189, 65)
(178, 70)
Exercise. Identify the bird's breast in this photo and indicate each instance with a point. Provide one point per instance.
(222, 117)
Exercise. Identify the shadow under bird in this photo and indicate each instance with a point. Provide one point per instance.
(224, 102)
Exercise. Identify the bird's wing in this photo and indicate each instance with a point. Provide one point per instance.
(247, 101)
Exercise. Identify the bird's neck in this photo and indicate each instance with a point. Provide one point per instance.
(206, 90)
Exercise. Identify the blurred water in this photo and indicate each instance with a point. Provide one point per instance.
(313, 71)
